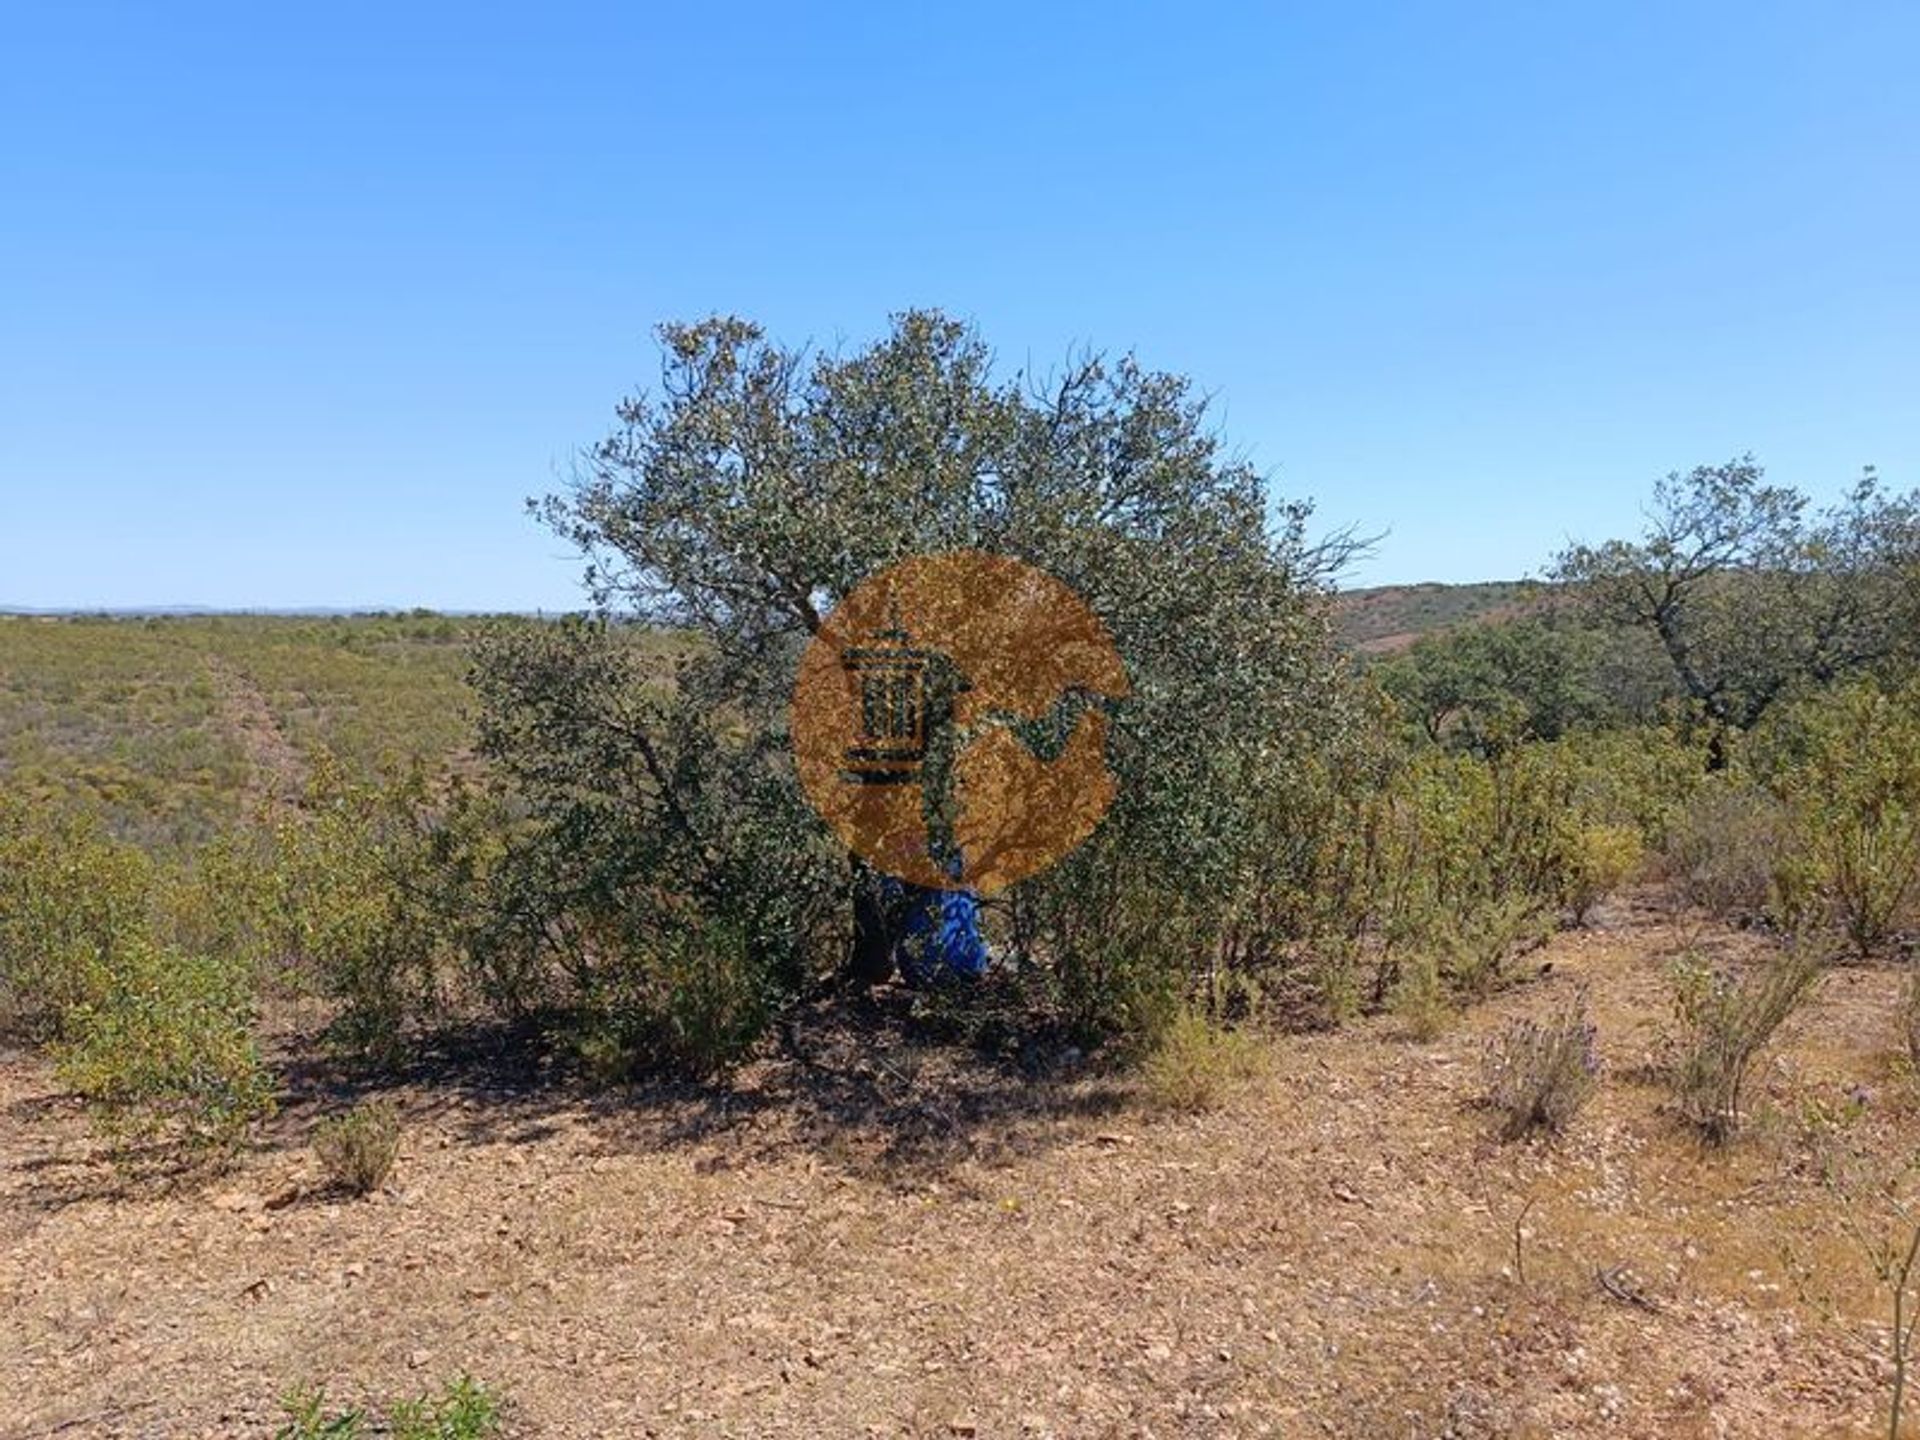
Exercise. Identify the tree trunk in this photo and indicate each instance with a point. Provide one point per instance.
(875, 929)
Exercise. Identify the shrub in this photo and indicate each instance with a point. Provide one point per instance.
(1855, 798)
(711, 1002)
(1122, 947)
(1195, 1063)
(1599, 860)
(1293, 924)
(1420, 999)
(1473, 857)
(1723, 846)
(70, 901)
(1333, 978)
(1540, 1072)
(687, 998)
(1475, 948)
(1724, 1022)
(139, 977)
(356, 912)
(357, 1149)
(463, 1410)
(165, 1053)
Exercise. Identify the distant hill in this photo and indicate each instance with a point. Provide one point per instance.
(1389, 618)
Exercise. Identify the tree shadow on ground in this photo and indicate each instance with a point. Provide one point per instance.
(876, 1084)
(864, 1083)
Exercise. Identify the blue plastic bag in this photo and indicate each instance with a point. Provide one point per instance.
(940, 934)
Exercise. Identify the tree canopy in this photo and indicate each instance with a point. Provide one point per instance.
(757, 485)
(1751, 591)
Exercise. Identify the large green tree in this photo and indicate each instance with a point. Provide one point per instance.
(1751, 591)
(740, 500)
(1484, 686)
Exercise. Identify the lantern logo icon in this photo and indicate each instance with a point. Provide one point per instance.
(892, 676)
(950, 720)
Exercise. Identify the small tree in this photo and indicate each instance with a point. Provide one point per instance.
(737, 505)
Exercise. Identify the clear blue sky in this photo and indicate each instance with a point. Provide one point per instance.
(297, 304)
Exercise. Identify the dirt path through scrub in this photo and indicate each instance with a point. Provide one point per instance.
(275, 768)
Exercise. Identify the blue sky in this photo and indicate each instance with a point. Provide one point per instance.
(298, 304)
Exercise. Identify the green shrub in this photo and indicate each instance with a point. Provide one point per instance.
(1195, 1063)
(357, 1149)
(689, 999)
(1599, 860)
(1540, 1072)
(70, 901)
(1475, 856)
(359, 915)
(463, 1409)
(1334, 978)
(1419, 998)
(1724, 1021)
(1855, 798)
(1122, 950)
(1475, 949)
(164, 1054)
(128, 970)
(1292, 929)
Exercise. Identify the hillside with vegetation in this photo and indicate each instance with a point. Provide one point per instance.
(1385, 619)
(444, 1027)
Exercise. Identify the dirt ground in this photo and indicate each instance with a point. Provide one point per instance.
(884, 1239)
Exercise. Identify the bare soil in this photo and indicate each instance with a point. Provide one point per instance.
(882, 1237)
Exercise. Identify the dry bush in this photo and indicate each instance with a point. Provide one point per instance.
(1196, 1063)
(1724, 1022)
(358, 1149)
(1722, 849)
(1420, 1000)
(1540, 1072)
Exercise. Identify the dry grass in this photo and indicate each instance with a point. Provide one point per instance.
(357, 1149)
(1726, 1018)
(1541, 1071)
(885, 1240)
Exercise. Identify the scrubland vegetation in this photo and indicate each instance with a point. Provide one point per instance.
(584, 836)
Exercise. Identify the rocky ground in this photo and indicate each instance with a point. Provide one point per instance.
(887, 1239)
